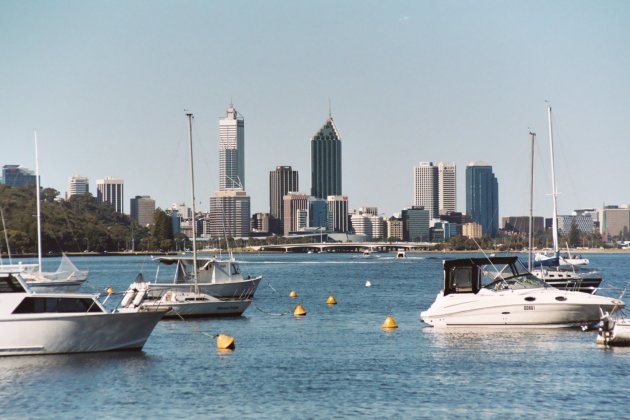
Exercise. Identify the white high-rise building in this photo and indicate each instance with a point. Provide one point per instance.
(111, 190)
(425, 188)
(77, 185)
(231, 150)
(447, 187)
(337, 213)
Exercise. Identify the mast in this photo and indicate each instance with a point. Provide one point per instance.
(39, 212)
(531, 203)
(192, 189)
(554, 189)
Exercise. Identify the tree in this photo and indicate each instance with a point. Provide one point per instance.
(574, 235)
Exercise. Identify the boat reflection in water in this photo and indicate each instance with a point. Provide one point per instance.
(500, 292)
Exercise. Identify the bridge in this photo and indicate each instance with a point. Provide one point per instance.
(347, 247)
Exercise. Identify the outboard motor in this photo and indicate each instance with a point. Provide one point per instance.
(607, 326)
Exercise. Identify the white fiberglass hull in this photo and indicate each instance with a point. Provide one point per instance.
(202, 308)
(535, 308)
(75, 333)
(619, 336)
(240, 289)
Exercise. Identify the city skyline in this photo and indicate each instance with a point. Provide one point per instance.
(106, 86)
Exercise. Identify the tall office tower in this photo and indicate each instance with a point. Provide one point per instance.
(337, 213)
(293, 202)
(142, 209)
(77, 185)
(231, 150)
(425, 188)
(111, 190)
(16, 176)
(326, 161)
(229, 214)
(282, 181)
(447, 187)
(482, 197)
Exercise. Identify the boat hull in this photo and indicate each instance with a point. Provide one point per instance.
(76, 333)
(208, 309)
(619, 336)
(241, 289)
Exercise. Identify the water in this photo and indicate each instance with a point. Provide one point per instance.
(335, 362)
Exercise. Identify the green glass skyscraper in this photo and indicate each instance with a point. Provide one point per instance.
(326, 161)
(482, 197)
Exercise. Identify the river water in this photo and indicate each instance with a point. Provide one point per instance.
(335, 362)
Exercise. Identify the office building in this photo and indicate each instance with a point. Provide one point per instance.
(337, 213)
(282, 181)
(615, 221)
(142, 209)
(317, 213)
(447, 187)
(111, 190)
(77, 185)
(326, 161)
(260, 223)
(292, 203)
(229, 214)
(416, 224)
(425, 188)
(16, 176)
(520, 224)
(482, 197)
(583, 222)
(231, 150)
(395, 229)
(472, 230)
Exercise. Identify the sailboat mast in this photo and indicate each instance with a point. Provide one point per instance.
(531, 204)
(39, 210)
(192, 188)
(554, 190)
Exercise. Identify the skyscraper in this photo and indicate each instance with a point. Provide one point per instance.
(111, 190)
(77, 185)
(482, 197)
(425, 188)
(281, 181)
(326, 161)
(447, 187)
(231, 150)
(16, 176)
(142, 209)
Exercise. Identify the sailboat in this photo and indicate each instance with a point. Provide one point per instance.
(67, 278)
(186, 298)
(551, 268)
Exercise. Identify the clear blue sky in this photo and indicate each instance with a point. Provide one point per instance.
(106, 84)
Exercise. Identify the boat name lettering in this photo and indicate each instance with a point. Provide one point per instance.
(529, 307)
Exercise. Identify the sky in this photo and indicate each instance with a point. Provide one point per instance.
(106, 85)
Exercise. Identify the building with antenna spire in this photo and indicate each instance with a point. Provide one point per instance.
(231, 150)
(326, 160)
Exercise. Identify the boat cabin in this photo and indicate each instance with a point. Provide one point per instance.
(209, 270)
(470, 275)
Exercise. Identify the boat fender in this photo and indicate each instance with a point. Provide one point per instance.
(139, 297)
(168, 296)
(128, 298)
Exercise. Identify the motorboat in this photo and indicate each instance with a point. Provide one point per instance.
(58, 322)
(572, 278)
(613, 332)
(500, 292)
(401, 254)
(181, 303)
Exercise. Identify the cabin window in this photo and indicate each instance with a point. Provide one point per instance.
(10, 284)
(235, 269)
(39, 305)
(461, 279)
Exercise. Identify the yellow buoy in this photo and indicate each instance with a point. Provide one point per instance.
(225, 342)
(389, 322)
(331, 300)
(299, 310)
(110, 290)
(293, 294)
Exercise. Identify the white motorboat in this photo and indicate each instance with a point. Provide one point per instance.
(181, 303)
(613, 332)
(570, 278)
(500, 292)
(401, 254)
(55, 322)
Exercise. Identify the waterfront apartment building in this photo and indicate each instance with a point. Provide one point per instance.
(282, 181)
(77, 185)
(482, 197)
(230, 214)
(472, 230)
(231, 150)
(425, 188)
(326, 161)
(142, 209)
(337, 213)
(111, 190)
(395, 228)
(447, 187)
(293, 203)
(416, 224)
(16, 176)
(362, 225)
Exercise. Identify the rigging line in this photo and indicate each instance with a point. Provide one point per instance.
(270, 313)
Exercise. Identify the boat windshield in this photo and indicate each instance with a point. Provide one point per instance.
(509, 276)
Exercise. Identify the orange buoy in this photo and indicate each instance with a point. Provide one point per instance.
(110, 290)
(331, 300)
(293, 294)
(299, 310)
(389, 323)
(225, 342)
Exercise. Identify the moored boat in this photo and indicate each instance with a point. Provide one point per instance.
(613, 332)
